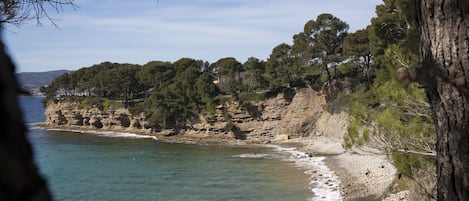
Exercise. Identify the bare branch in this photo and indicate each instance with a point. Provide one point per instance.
(17, 12)
(417, 152)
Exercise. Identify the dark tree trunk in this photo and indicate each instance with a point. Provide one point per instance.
(19, 177)
(367, 67)
(126, 98)
(444, 35)
(329, 77)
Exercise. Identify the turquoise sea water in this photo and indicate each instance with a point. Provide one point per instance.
(81, 166)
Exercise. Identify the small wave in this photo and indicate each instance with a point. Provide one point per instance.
(252, 156)
(324, 184)
(109, 134)
(36, 125)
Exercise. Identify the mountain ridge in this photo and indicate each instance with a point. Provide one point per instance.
(32, 81)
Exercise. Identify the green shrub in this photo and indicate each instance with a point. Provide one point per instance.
(210, 109)
(112, 103)
(137, 108)
(223, 99)
(405, 163)
(338, 104)
(74, 99)
(229, 126)
(106, 105)
(93, 101)
(352, 129)
(253, 110)
(359, 110)
(356, 134)
(348, 143)
(366, 134)
(352, 136)
(248, 97)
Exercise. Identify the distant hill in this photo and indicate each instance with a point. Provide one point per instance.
(32, 81)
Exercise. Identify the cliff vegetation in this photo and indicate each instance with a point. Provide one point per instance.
(325, 71)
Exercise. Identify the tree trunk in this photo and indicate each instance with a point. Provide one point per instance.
(19, 177)
(126, 98)
(329, 77)
(444, 34)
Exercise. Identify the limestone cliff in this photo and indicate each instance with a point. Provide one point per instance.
(73, 115)
(275, 119)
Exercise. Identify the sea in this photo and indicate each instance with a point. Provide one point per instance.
(102, 166)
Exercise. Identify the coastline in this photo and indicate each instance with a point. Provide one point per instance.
(163, 136)
(365, 173)
(335, 174)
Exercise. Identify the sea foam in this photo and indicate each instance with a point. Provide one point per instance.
(109, 133)
(36, 125)
(324, 184)
(249, 155)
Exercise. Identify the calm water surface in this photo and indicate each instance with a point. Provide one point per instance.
(80, 166)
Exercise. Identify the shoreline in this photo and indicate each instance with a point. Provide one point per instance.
(365, 173)
(335, 174)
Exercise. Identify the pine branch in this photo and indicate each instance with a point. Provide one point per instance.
(432, 153)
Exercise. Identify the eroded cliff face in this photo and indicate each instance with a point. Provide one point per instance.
(275, 119)
(73, 115)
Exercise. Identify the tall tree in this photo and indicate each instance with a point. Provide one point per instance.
(107, 83)
(229, 73)
(206, 89)
(255, 69)
(394, 25)
(63, 83)
(444, 37)
(444, 72)
(176, 103)
(357, 46)
(301, 52)
(278, 64)
(128, 81)
(85, 83)
(327, 34)
(155, 74)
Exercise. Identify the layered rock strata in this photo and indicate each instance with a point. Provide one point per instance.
(275, 119)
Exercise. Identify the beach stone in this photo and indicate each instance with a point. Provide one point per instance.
(282, 137)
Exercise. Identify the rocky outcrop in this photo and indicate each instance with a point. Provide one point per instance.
(276, 119)
(73, 115)
(257, 122)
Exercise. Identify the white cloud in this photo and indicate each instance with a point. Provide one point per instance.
(139, 31)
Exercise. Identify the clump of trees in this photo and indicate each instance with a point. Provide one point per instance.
(397, 110)
(385, 110)
(168, 93)
(171, 94)
(392, 39)
(355, 70)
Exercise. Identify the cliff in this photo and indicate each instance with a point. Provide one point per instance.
(276, 119)
(73, 115)
(299, 118)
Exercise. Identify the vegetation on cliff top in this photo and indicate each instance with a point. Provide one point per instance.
(355, 71)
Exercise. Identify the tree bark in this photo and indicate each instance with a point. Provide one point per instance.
(19, 177)
(444, 41)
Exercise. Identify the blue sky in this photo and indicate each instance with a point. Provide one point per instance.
(140, 31)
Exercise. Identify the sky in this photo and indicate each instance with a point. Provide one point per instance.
(130, 31)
